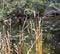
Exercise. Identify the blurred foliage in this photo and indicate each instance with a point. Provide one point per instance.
(8, 7)
(52, 32)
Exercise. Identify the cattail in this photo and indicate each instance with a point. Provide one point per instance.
(39, 41)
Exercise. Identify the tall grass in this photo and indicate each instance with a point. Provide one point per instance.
(34, 46)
